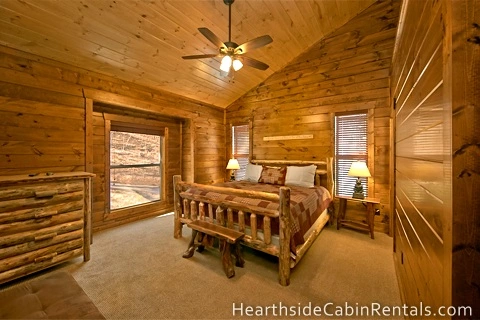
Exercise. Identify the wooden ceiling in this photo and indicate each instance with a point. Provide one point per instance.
(143, 41)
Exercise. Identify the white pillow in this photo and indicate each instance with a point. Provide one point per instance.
(301, 176)
(253, 172)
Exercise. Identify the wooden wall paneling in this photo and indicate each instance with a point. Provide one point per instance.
(419, 153)
(59, 97)
(435, 120)
(465, 125)
(421, 263)
(347, 70)
(43, 137)
(187, 151)
(210, 149)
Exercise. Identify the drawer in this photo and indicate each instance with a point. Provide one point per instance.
(40, 223)
(45, 211)
(41, 255)
(39, 195)
(44, 261)
(19, 243)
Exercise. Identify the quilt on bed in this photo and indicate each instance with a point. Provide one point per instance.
(306, 204)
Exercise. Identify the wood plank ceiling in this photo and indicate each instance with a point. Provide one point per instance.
(143, 41)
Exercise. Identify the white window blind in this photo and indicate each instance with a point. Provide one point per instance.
(241, 148)
(350, 145)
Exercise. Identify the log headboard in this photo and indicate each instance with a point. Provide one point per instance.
(324, 174)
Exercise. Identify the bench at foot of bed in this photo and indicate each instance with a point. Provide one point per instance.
(229, 239)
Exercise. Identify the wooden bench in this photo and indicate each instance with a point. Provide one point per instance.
(227, 238)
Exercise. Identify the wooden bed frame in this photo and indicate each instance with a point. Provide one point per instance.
(188, 207)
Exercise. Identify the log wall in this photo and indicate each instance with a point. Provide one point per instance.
(50, 123)
(348, 70)
(435, 87)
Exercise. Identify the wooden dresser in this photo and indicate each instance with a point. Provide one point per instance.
(45, 219)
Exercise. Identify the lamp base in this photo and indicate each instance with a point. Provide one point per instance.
(232, 176)
(358, 195)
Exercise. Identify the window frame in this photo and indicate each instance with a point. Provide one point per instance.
(241, 172)
(133, 127)
(367, 156)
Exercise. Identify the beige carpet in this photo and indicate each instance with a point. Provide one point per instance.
(137, 271)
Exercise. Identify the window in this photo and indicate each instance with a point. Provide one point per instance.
(241, 148)
(350, 145)
(135, 166)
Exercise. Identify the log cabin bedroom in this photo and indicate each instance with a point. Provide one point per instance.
(237, 158)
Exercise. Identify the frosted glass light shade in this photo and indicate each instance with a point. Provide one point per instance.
(237, 65)
(226, 63)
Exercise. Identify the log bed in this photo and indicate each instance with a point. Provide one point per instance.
(254, 221)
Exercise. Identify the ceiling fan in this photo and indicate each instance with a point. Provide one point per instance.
(232, 53)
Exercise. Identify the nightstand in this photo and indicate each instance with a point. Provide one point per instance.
(370, 206)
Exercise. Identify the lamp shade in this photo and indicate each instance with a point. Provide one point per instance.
(359, 169)
(233, 164)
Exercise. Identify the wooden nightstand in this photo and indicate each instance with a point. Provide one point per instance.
(370, 204)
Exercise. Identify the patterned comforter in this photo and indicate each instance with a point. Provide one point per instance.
(306, 204)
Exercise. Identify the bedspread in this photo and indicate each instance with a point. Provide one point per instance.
(306, 204)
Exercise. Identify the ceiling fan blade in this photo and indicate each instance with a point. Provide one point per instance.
(212, 37)
(254, 63)
(200, 56)
(253, 44)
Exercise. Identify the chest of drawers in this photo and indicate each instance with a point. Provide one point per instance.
(44, 220)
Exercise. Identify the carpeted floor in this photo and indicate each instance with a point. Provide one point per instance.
(137, 271)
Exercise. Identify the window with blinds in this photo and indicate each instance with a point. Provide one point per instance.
(241, 148)
(350, 145)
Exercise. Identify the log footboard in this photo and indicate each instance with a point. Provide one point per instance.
(189, 207)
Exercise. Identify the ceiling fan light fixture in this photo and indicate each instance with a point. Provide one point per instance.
(230, 51)
(237, 64)
(226, 63)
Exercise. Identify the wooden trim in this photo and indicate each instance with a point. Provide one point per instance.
(371, 150)
(193, 137)
(289, 162)
(164, 160)
(449, 42)
(136, 104)
(88, 135)
(107, 168)
(391, 226)
(87, 238)
(250, 141)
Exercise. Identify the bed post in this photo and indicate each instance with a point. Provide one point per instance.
(285, 234)
(177, 208)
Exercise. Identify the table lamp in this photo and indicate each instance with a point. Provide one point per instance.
(233, 165)
(358, 169)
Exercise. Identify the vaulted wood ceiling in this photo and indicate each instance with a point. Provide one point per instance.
(143, 41)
